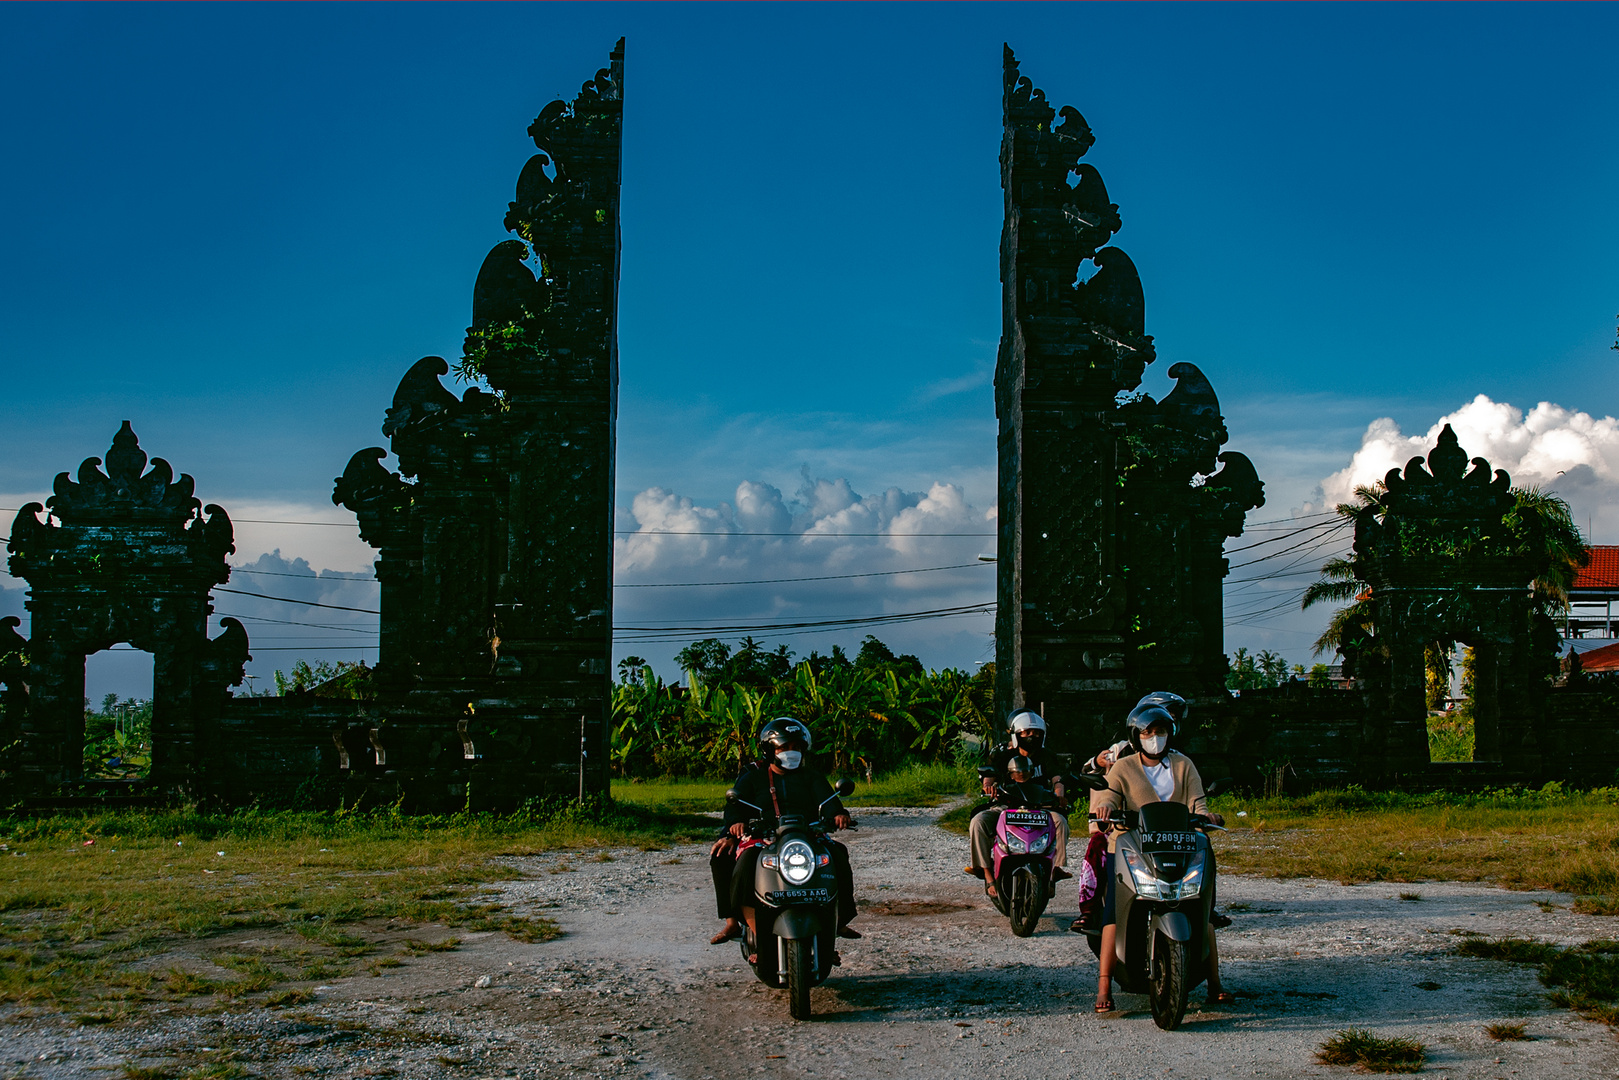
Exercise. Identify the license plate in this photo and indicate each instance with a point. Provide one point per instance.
(1028, 819)
(778, 897)
(1168, 841)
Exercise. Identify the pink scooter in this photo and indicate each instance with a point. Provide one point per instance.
(1021, 865)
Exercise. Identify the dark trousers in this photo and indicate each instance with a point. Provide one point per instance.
(733, 881)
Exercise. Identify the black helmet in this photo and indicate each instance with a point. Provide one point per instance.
(780, 734)
(1143, 717)
(1173, 704)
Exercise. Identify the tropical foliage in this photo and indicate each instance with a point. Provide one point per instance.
(1539, 524)
(118, 739)
(868, 714)
(1256, 671)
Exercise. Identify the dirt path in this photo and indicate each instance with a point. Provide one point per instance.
(939, 987)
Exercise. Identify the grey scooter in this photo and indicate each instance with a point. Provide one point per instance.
(1163, 880)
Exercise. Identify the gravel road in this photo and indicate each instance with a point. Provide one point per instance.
(939, 987)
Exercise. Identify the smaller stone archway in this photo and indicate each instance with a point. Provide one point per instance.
(1445, 564)
(125, 555)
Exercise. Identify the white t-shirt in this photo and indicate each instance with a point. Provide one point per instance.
(1162, 780)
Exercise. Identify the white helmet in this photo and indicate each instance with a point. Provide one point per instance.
(1026, 720)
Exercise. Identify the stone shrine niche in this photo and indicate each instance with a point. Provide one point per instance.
(122, 555)
(1444, 563)
(1113, 507)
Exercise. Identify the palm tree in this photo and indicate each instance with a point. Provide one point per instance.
(1542, 521)
(1539, 524)
(1341, 582)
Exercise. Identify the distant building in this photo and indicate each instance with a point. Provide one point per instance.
(1596, 587)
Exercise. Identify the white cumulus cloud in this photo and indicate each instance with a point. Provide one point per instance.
(893, 551)
(1567, 451)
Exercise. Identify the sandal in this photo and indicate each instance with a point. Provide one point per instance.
(729, 933)
(1104, 1001)
(850, 932)
(1221, 997)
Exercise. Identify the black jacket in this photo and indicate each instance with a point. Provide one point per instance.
(798, 792)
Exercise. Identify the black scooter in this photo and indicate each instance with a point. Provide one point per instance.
(1163, 871)
(795, 901)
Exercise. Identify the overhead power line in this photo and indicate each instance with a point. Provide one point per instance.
(774, 581)
(291, 600)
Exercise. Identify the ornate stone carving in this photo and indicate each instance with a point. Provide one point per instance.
(1112, 516)
(496, 563)
(128, 554)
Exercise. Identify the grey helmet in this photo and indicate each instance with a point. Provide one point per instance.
(1143, 717)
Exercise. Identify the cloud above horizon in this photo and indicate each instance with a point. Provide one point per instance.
(826, 552)
(1565, 451)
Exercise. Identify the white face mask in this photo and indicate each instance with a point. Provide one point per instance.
(789, 759)
(1154, 745)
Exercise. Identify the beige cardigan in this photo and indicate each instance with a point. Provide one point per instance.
(1129, 789)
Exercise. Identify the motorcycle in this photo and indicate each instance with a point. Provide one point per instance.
(1022, 866)
(1163, 870)
(795, 900)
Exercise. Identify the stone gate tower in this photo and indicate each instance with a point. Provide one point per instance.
(495, 537)
(1112, 513)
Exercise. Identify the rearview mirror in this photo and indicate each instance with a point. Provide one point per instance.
(1094, 781)
(730, 795)
(985, 772)
(1215, 788)
(845, 787)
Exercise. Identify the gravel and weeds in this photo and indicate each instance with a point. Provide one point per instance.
(1583, 977)
(87, 900)
(1361, 1049)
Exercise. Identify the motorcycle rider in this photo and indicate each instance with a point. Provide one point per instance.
(1154, 773)
(1176, 707)
(779, 784)
(1173, 704)
(1027, 745)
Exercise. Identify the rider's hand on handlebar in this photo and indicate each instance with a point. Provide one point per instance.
(1218, 819)
(723, 844)
(989, 787)
(738, 829)
(843, 821)
(1103, 813)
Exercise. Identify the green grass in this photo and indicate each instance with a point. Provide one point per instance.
(1450, 736)
(1537, 839)
(1507, 1032)
(913, 785)
(74, 919)
(1361, 1049)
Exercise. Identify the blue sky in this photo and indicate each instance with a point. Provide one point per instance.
(238, 225)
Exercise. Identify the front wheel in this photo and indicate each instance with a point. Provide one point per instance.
(800, 974)
(1028, 902)
(1167, 986)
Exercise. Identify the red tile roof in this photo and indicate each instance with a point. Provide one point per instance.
(1603, 570)
(1603, 659)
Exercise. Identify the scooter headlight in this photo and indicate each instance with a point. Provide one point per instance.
(1014, 843)
(797, 862)
(1039, 844)
(1190, 884)
(1146, 882)
(1150, 887)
